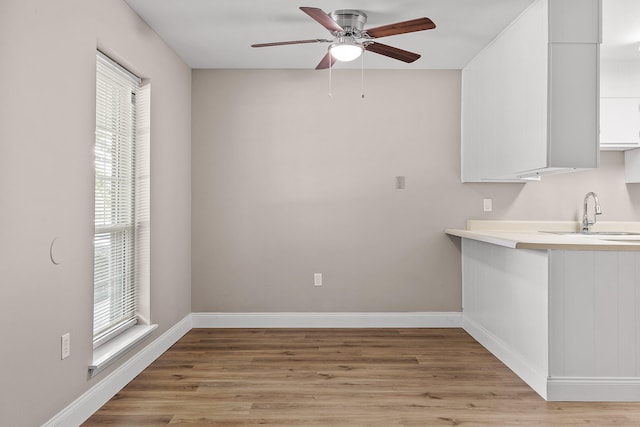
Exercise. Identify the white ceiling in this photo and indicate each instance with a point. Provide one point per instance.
(218, 33)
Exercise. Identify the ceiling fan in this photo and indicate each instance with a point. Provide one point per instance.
(351, 39)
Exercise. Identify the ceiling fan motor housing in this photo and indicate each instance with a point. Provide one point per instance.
(350, 19)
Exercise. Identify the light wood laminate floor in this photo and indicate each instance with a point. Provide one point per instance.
(340, 377)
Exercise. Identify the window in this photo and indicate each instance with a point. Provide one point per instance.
(117, 224)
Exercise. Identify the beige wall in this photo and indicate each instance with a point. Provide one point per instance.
(288, 181)
(47, 122)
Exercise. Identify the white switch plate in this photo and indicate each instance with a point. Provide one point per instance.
(317, 279)
(65, 348)
(487, 205)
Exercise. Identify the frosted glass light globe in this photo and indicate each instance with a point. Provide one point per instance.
(346, 51)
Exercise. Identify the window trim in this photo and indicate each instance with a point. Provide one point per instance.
(110, 346)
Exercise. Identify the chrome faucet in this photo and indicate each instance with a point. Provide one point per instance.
(586, 224)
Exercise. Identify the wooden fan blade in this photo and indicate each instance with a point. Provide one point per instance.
(392, 52)
(419, 24)
(290, 42)
(326, 62)
(322, 18)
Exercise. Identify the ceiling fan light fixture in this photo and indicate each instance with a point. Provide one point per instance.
(351, 39)
(346, 50)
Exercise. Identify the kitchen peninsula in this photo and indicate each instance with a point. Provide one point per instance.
(559, 307)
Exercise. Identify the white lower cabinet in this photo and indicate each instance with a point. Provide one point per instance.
(567, 322)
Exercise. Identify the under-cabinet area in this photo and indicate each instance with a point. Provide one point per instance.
(566, 319)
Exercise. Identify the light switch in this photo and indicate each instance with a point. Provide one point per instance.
(65, 346)
(487, 205)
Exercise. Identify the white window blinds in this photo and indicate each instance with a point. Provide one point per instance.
(115, 200)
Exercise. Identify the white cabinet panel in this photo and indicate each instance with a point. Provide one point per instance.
(619, 123)
(605, 303)
(505, 296)
(567, 322)
(593, 314)
(573, 105)
(628, 334)
(577, 321)
(574, 21)
(504, 101)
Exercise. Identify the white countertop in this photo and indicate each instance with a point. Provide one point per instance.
(531, 235)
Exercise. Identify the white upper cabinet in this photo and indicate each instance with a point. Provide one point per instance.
(619, 123)
(620, 75)
(619, 100)
(530, 98)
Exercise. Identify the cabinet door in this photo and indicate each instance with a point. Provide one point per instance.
(619, 123)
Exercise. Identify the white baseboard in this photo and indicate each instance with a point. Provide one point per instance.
(328, 320)
(536, 379)
(594, 389)
(84, 406)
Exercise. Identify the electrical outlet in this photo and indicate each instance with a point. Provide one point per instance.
(317, 279)
(487, 205)
(65, 350)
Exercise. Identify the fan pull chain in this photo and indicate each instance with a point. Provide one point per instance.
(330, 67)
(362, 74)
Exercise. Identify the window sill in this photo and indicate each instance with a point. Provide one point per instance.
(114, 349)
